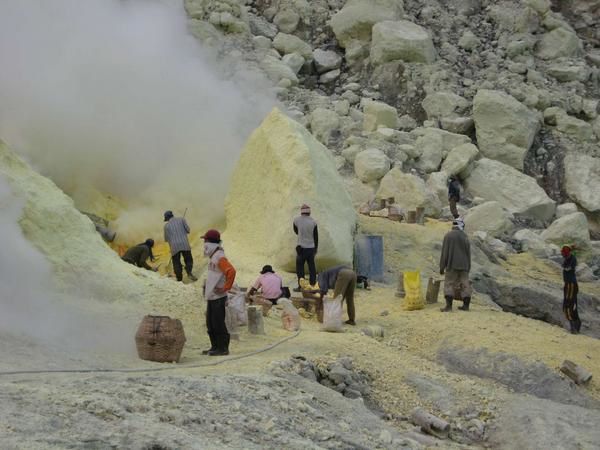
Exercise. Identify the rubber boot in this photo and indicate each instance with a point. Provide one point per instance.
(578, 326)
(222, 346)
(213, 344)
(573, 326)
(466, 303)
(448, 307)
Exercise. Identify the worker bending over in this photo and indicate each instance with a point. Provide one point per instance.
(219, 280)
(138, 254)
(342, 280)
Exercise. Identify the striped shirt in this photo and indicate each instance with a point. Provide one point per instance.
(176, 231)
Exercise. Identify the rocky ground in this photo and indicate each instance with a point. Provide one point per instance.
(402, 94)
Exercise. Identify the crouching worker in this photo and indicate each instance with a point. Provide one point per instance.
(342, 280)
(570, 288)
(138, 254)
(455, 263)
(219, 280)
(269, 284)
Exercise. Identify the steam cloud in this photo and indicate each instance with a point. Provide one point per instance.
(30, 304)
(116, 95)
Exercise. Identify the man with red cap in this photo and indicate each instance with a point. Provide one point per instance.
(570, 288)
(219, 280)
(308, 242)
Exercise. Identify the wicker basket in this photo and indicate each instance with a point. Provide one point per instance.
(160, 339)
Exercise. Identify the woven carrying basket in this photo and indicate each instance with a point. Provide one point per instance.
(160, 339)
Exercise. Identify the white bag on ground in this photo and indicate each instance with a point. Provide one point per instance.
(237, 301)
(231, 322)
(332, 314)
(290, 317)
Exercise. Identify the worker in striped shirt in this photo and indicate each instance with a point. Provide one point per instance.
(176, 231)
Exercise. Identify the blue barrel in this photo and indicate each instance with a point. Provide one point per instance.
(368, 257)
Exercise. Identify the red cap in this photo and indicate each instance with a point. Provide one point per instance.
(212, 236)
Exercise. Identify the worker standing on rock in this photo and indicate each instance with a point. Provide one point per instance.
(138, 254)
(570, 288)
(176, 231)
(342, 280)
(219, 280)
(455, 263)
(308, 242)
(453, 195)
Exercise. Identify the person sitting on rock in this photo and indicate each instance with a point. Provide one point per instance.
(570, 288)
(269, 284)
(342, 280)
(455, 263)
(453, 195)
(138, 254)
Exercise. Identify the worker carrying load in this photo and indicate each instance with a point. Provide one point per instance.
(455, 263)
(175, 232)
(342, 280)
(453, 195)
(270, 285)
(219, 280)
(308, 243)
(139, 254)
(571, 288)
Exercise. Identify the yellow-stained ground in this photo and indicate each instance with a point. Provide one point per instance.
(412, 338)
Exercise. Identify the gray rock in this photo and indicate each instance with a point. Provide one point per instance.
(582, 180)
(294, 61)
(515, 191)
(287, 20)
(287, 43)
(569, 229)
(459, 159)
(330, 77)
(261, 27)
(371, 165)
(379, 114)
(558, 42)
(489, 217)
(323, 122)
(567, 73)
(565, 209)
(505, 127)
(401, 40)
(326, 60)
(444, 104)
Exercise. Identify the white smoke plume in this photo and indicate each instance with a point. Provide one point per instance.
(29, 301)
(116, 95)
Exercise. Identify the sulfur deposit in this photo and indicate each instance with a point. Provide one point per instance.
(131, 108)
(282, 167)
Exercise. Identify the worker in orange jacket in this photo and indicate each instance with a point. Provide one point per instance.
(219, 280)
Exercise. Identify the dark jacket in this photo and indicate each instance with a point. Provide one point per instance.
(137, 256)
(456, 252)
(569, 266)
(454, 190)
(328, 278)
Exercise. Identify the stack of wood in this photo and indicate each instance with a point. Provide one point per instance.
(389, 209)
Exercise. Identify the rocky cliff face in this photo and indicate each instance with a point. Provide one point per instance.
(397, 86)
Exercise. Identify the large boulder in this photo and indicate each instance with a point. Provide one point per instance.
(505, 127)
(444, 104)
(582, 180)
(569, 229)
(409, 191)
(323, 123)
(288, 43)
(565, 209)
(326, 60)
(576, 128)
(532, 242)
(559, 42)
(371, 165)
(355, 20)
(433, 144)
(283, 166)
(401, 40)
(459, 159)
(489, 217)
(515, 191)
(378, 114)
